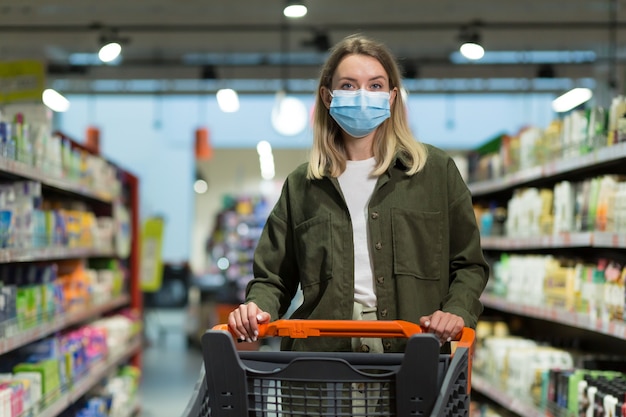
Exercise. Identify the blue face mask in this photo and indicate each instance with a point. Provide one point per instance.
(359, 112)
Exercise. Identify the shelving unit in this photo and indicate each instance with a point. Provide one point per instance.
(239, 234)
(590, 161)
(605, 160)
(91, 378)
(105, 201)
(47, 254)
(63, 321)
(506, 400)
(614, 328)
(24, 171)
(604, 240)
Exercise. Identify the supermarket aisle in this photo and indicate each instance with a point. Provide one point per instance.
(170, 369)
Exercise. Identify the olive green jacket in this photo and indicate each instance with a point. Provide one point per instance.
(425, 250)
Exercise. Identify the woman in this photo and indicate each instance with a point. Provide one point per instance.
(376, 226)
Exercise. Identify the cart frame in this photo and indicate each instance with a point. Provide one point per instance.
(419, 382)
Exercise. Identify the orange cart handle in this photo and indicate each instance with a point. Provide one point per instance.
(301, 329)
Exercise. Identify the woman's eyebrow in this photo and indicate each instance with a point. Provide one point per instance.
(376, 77)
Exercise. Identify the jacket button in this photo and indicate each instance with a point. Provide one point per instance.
(378, 245)
(365, 348)
(387, 345)
(375, 215)
(383, 312)
(380, 280)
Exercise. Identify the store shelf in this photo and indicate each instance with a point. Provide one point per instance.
(507, 181)
(584, 247)
(609, 240)
(612, 328)
(93, 376)
(101, 198)
(506, 400)
(52, 253)
(10, 343)
(562, 240)
(25, 171)
(601, 156)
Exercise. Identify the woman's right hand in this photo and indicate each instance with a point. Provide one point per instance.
(245, 320)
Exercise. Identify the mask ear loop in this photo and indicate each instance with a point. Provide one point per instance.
(330, 93)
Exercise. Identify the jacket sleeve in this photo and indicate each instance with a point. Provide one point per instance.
(275, 273)
(469, 271)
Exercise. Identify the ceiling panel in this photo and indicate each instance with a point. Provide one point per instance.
(161, 33)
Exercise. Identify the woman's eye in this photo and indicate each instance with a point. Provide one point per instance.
(376, 86)
(346, 86)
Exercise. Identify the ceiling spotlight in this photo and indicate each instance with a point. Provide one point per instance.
(470, 43)
(228, 100)
(109, 52)
(472, 50)
(55, 101)
(289, 115)
(571, 99)
(111, 46)
(200, 185)
(266, 160)
(295, 9)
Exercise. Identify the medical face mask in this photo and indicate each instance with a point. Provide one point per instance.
(359, 112)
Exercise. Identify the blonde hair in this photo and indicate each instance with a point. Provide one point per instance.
(393, 138)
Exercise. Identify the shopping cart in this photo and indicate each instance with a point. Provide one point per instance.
(418, 382)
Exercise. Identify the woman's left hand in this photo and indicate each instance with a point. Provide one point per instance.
(446, 326)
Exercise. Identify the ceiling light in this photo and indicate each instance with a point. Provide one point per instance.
(470, 42)
(289, 115)
(111, 45)
(55, 101)
(264, 148)
(266, 160)
(110, 52)
(228, 100)
(571, 99)
(472, 50)
(200, 186)
(295, 9)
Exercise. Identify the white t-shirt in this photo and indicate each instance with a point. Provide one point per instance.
(357, 186)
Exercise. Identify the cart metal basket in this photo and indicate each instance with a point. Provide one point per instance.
(418, 382)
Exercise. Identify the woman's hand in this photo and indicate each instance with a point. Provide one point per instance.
(446, 326)
(245, 320)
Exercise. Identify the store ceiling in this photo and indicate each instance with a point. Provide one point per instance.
(218, 40)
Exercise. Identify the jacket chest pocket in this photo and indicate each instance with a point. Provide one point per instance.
(313, 239)
(417, 243)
